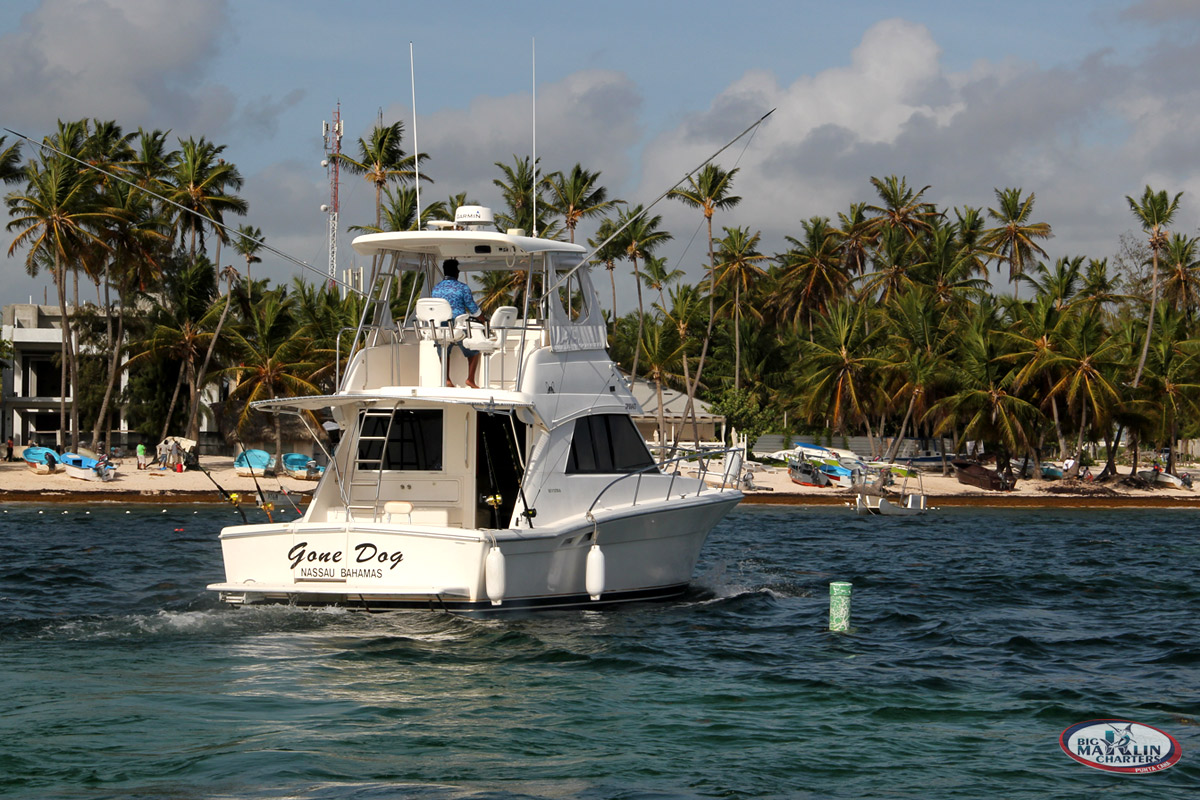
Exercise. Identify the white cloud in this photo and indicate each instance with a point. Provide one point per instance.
(136, 61)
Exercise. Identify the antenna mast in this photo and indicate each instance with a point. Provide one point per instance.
(332, 134)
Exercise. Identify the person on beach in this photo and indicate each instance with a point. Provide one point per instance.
(141, 455)
(176, 455)
(458, 295)
(9, 447)
(160, 454)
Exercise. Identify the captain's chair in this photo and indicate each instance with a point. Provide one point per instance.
(479, 340)
(433, 321)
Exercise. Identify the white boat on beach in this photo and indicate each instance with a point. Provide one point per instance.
(533, 490)
(873, 499)
(1160, 476)
(86, 468)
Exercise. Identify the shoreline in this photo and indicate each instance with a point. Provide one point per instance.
(19, 485)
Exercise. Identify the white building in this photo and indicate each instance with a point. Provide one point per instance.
(32, 383)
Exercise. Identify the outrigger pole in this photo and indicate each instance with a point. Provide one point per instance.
(323, 273)
(657, 200)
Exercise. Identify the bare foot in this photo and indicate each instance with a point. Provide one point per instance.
(450, 383)
(471, 384)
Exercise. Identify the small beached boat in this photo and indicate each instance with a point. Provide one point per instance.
(873, 499)
(88, 469)
(806, 473)
(298, 465)
(972, 473)
(42, 460)
(254, 463)
(1158, 475)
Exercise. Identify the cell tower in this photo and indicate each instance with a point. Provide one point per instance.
(332, 134)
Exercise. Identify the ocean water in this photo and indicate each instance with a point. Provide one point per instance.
(978, 636)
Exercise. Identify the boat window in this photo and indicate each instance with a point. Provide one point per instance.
(405, 440)
(573, 298)
(607, 443)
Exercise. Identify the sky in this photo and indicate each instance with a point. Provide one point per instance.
(1081, 102)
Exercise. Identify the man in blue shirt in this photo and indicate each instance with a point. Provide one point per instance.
(458, 294)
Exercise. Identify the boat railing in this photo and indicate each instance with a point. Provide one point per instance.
(731, 471)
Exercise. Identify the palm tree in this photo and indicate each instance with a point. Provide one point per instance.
(854, 238)
(273, 363)
(812, 273)
(840, 365)
(919, 336)
(738, 265)
(247, 243)
(56, 217)
(657, 276)
(901, 208)
(10, 162)
(1181, 285)
(193, 424)
(686, 308)
(708, 190)
(521, 197)
(1155, 211)
(639, 238)
(1013, 240)
(320, 315)
(983, 403)
(608, 251)
(1087, 364)
(662, 349)
(201, 184)
(178, 331)
(577, 197)
(137, 236)
(382, 161)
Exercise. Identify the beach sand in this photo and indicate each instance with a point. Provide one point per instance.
(19, 484)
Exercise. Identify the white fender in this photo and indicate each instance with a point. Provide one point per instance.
(594, 580)
(494, 578)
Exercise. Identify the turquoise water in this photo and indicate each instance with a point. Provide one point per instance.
(979, 635)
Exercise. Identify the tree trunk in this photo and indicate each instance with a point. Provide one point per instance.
(171, 406)
(193, 425)
(737, 338)
(114, 362)
(1058, 430)
(1137, 376)
(637, 276)
(1110, 463)
(912, 401)
(1073, 472)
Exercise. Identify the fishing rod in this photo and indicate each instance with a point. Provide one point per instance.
(323, 273)
(232, 498)
(657, 200)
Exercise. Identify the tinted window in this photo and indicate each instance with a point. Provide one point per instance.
(408, 440)
(607, 443)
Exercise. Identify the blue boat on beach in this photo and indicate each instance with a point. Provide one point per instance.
(41, 460)
(298, 465)
(86, 468)
(253, 463)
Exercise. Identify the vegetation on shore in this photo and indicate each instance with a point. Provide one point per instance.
(879, 320)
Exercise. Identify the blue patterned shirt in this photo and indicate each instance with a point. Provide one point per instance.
(458, 294)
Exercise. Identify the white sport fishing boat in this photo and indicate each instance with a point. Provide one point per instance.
(533, 490)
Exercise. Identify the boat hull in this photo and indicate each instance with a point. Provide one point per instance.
(650, 552)
(908, 506)
(90, 473)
